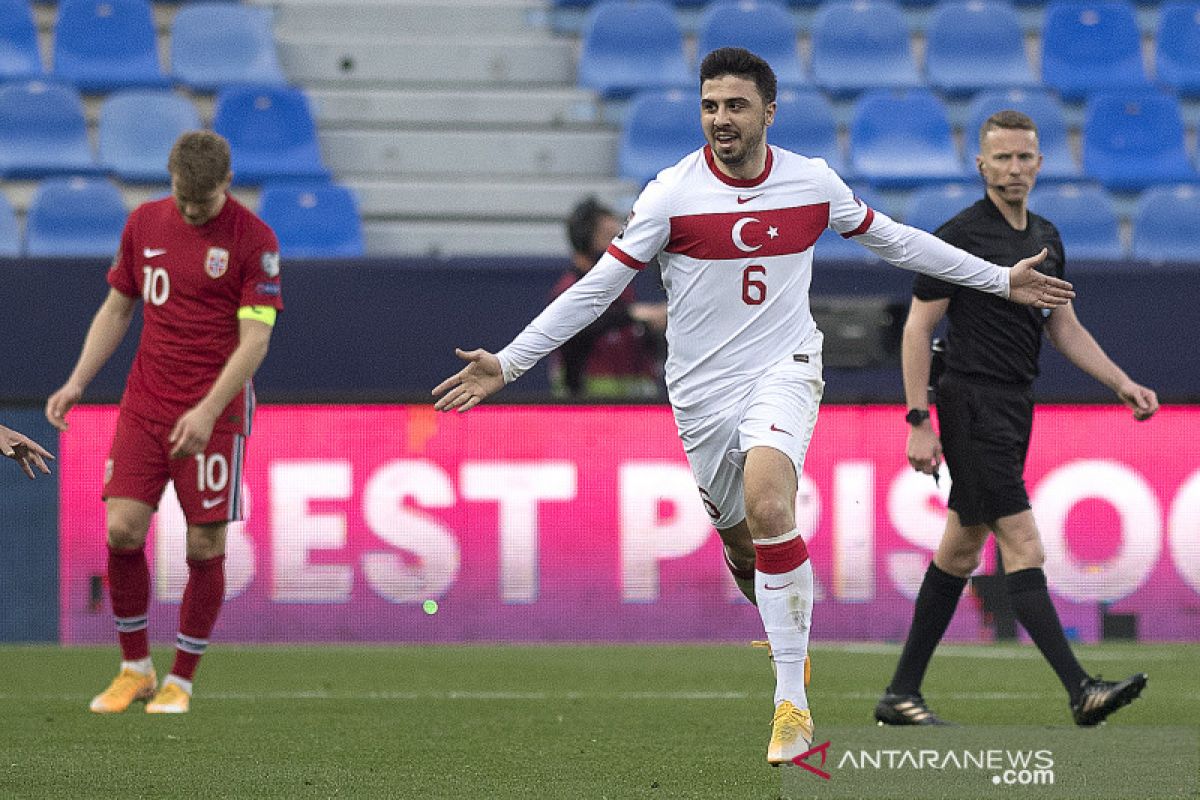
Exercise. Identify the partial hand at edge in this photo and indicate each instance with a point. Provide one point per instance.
(1028, 287)
(467, 388)
(24, 451)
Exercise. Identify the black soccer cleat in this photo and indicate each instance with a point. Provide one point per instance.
(905, 709)
(1100, 698)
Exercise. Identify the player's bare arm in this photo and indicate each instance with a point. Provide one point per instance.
(24, 451)
(467, 388)
(107, 330)
(1074, 341)
(1029, 287)
(923, 448)
(193, 429)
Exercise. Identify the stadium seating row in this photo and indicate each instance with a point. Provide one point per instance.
(43, 132)
(106, 45)
(84, 217)
(902, 138)
(971, 45)
(78, 217)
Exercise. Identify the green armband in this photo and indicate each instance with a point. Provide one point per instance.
(264, 314)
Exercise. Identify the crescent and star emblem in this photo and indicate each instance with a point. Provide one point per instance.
(737, 235)
(740, 243)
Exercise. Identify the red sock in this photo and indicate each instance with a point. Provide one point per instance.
(201, 603)
(776, 559)
(129, 590)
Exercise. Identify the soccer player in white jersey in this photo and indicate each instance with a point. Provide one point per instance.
(733, 226)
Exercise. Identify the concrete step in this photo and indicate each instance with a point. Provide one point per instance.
(514, 200)
(473, 238)
(534, 154)
(525, 108)
(517, 60)
(407, 17)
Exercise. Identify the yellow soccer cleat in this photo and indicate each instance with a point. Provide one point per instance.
(171, 699)
(791, 733)
(130, 685)
(762, 643)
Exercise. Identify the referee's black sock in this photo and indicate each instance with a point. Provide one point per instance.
(1033, 609)
(931, 616)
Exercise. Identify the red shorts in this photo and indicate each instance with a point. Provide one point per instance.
(208, 484)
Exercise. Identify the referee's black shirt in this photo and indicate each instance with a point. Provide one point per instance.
(989, 337)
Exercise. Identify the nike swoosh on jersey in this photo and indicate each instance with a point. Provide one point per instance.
(212, 502)
(779, 430)
(151, 252)
(748, 199)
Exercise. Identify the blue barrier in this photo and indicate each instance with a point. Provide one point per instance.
(28, 540)
(385, 329)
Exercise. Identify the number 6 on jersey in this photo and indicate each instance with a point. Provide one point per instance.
(754, 290)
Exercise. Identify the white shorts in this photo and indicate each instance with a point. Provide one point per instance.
(780, 411)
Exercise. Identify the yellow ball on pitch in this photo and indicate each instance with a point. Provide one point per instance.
(430, 606)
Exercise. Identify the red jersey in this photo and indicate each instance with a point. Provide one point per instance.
(192, 280)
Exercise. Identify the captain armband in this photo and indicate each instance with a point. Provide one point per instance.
(263, 314)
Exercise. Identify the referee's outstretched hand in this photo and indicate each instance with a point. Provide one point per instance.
(481, 377)
(1029, 287)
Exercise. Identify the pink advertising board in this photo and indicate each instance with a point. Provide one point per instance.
(557, 523)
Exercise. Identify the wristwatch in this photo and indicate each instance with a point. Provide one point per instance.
(916, 416)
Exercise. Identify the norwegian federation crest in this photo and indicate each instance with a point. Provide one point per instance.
(270, 264)
(216, 262)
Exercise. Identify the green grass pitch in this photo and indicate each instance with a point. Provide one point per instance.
(529, 722)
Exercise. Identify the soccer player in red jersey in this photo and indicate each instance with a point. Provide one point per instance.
(207, 271)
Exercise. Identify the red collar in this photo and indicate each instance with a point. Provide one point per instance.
(738, 182)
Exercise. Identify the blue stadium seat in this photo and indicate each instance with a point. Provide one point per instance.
(74, 217)
(313, 221)
(222, 44)
(902, 139)
(975, 45)
(103, 45)
(1164, 224)
(10, 236)
(20, 58)
(1134, 139)
(763, 27)
(861, 44)
(1047, 113)
(1091, 46)
(1177, 47)
(271, 134)
(137, 129)
(805, 124)
(660, 128)
(629, 45)
(930, 206)
(1085, 217)
(42, 131)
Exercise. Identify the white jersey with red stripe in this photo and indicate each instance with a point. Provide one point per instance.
(736, 258)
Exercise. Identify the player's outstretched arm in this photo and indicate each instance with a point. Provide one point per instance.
(467, 388)
(24, 451)
(1029, 287)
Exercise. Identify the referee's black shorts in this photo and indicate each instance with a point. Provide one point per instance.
(985, 436)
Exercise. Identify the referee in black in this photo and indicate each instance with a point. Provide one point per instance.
(985, 413)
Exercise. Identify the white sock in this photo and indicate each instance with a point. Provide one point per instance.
(142, 665)
(186, 685)
(785, 602)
